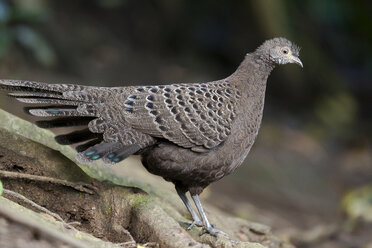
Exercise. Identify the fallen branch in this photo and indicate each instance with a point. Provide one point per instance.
(82, 187)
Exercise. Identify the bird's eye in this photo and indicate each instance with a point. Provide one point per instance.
(285, 51)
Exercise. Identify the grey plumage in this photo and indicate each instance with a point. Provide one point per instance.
(190, 134)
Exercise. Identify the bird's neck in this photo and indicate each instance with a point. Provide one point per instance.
(251, 75)
(250, 79)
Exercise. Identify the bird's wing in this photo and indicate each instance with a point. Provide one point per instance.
(196, 116)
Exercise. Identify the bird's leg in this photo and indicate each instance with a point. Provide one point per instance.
(194, 215)
(211, 229)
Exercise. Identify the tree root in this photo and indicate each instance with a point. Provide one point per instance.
(49, 234)
(82, 187)
(41, 208)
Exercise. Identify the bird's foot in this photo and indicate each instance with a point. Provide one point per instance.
(214, 231)
(195, 223)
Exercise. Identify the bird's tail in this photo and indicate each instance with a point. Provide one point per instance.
(50, 100)
(60, 102)
(73, 107)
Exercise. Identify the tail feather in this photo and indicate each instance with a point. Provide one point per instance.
(90, 143)
(120, 155)
(99, 150)
(46, 101)
(64, 122)
(76, 137)
(65, 91)
(54, 112)
(36, 95)
(109, 152)
(19, 85)
(4, 87)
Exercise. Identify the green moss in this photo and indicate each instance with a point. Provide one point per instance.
(108, 210)
(194, 232)
(187, 217)
(1, 188)
(358, 203)
(139, 200)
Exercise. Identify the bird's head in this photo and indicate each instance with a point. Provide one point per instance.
(280, 51)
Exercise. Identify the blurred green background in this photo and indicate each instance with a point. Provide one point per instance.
(313, 155)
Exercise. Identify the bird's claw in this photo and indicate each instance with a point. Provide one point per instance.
(214, 231)
(195, 223)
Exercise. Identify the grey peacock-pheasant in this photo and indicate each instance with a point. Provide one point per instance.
(190, 134)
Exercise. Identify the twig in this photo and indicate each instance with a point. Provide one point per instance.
(35, 205)
(132, 244)
(82, 187)
(151, 244)
(129, 244)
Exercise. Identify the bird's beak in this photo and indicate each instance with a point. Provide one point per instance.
(297, 61)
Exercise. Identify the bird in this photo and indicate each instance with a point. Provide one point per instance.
(191, 134)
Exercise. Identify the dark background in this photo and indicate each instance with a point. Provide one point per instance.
(315, 144)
